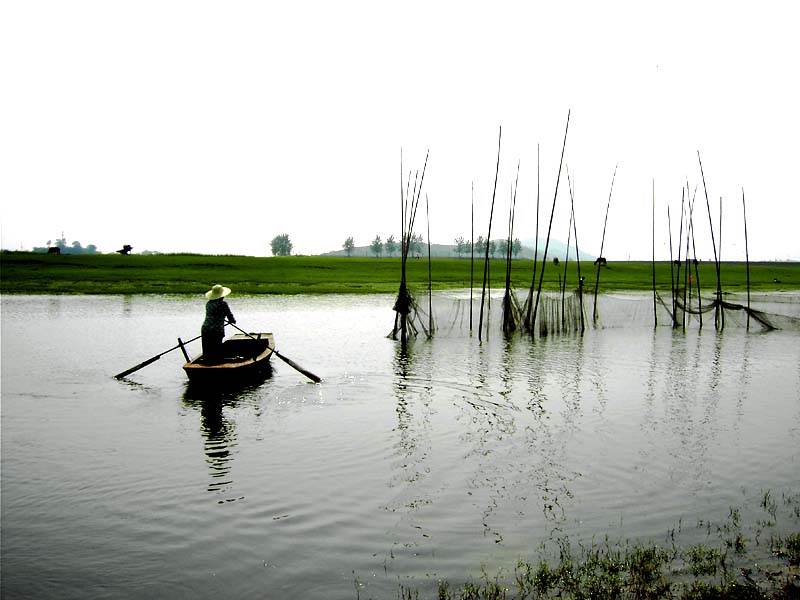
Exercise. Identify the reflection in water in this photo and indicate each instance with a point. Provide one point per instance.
(218, 429)
(127, 305)
(547, 438)
(53, 307)
(412, 448)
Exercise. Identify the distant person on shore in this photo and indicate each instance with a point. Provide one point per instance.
(213, 330)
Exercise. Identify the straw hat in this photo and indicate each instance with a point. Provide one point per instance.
(217, 292)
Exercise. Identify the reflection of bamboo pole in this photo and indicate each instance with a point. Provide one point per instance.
(602, 242)
(489, 237)
(747, 258)
(550, 226)
(655, 310)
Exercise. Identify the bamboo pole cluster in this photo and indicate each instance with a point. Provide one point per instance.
(682, 286)
(405, 305)
(565, 312)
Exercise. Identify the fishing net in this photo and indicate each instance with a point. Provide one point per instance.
(560, 313)
(557, 312)
(726, 313)
(456, 313)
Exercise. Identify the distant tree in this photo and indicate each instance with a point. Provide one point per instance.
(480, 245)
(376, 247)
(390, 245)
(348, 246)
(416, 244)
(461, 246)
(281, 245)
(516, 247)
(492, 248)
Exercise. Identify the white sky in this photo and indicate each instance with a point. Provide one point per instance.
(211, 127)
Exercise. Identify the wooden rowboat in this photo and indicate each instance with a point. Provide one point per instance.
(245, 359)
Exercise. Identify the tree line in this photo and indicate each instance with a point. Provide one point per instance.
(501, 247)
(61, 243)
(462, 247)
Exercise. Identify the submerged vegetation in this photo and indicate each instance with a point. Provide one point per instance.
(731, 561)
(29, 273)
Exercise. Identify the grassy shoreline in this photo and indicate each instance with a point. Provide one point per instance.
(31, 273)
(737, 557)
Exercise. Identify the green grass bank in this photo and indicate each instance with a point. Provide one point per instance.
(30, 273)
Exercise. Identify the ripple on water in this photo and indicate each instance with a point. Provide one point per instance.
(403, 465)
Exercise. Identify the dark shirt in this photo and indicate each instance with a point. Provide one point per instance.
(216, 313)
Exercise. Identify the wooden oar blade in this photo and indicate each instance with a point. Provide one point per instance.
(141, 365)
(297, 367)
(137, 367)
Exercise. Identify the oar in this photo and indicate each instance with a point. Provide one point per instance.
(285, 359)
(141, 365)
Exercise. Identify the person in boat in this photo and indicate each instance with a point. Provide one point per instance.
(213, 330)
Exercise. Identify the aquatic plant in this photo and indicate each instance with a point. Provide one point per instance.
(719, 568)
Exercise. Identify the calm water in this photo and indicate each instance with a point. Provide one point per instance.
(401, 467)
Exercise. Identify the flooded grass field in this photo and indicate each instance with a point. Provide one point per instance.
(444, 460)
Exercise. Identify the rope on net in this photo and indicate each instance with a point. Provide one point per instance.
(766, 320)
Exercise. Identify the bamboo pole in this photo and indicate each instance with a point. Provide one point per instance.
(721, 310)
(747, 258)
(471, 252)
(655, 307)
(713, 244)
(408, 215)
(509, 321)
(671, 268)
(577, 251)
(696, 269)
(403, 199)
(687, 269)
(430, 278)
(489, 237)
(602, 242)
(566, 260)
(550, 226)
(528, 324)
(678, 261)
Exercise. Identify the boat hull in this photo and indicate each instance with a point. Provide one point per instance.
(246, 359)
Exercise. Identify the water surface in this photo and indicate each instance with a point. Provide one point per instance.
(403, 466)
